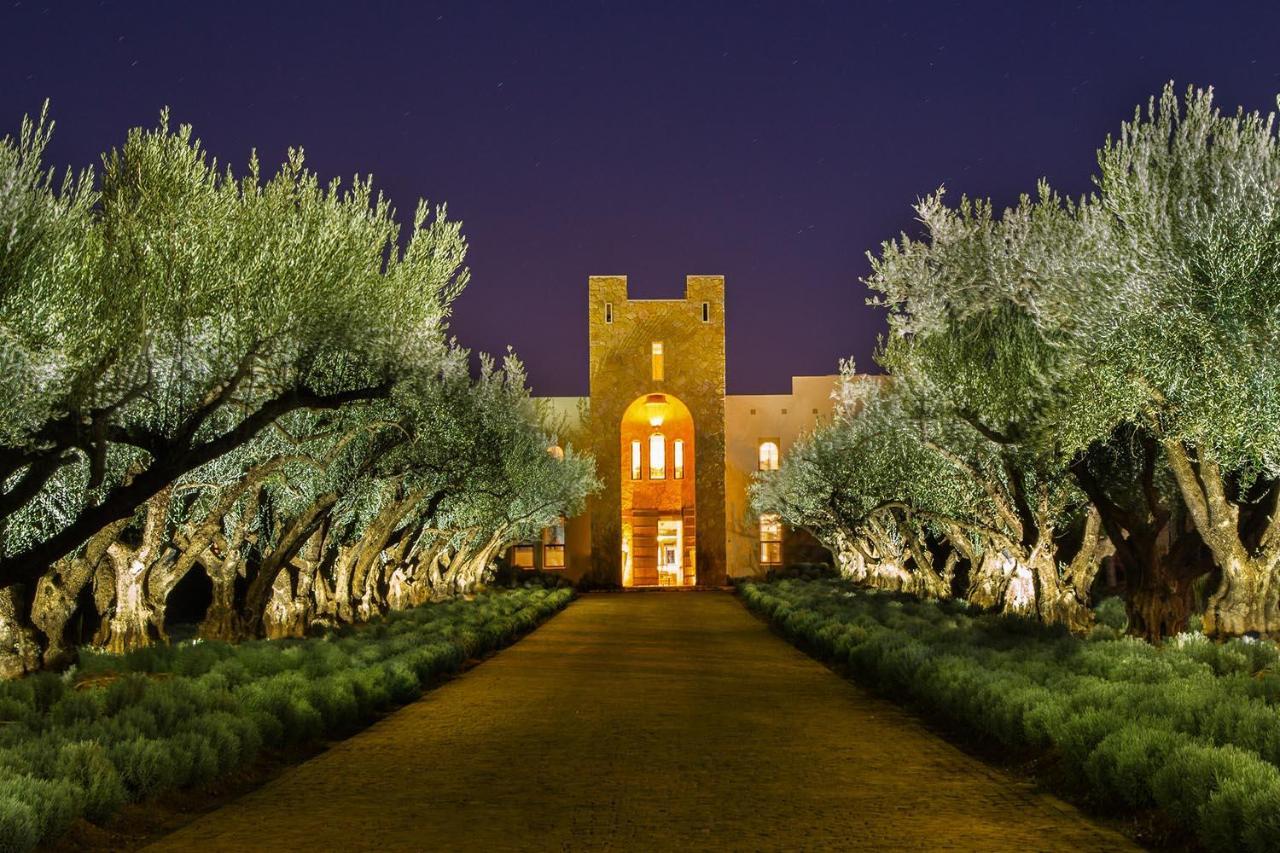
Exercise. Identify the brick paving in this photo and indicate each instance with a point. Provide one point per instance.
(657, 721)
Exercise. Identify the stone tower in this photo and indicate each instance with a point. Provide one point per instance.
(654, 356)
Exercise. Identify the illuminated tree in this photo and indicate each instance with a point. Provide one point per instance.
(247, 377)
(1192, 359)
(983, 313)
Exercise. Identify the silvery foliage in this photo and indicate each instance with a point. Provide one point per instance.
(1193, 196)
(180, 298)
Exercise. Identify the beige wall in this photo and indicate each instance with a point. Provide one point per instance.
(749, 419)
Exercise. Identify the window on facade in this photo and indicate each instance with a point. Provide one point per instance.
(608, 312)
(522, 556)
(706, 312)
(770, 538)
(768, 454)
(657, 457)
(553, 546)
(635, 460)
(657, 360)
(677, 459)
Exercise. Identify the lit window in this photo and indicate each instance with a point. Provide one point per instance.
(657, 361)
(553, 546)
(677, 459)
(635, 460)
(657, 457)
(770, 538)
(769, 454)
(706, 312)
(522, 557)
(608, 312)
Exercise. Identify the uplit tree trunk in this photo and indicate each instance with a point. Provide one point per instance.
(129, 619)
(59, 590)
(1063, 592)
(289, 611)
(357, 564)
(221, 620)
(1248, 596)
(311, 522)
(19, 651)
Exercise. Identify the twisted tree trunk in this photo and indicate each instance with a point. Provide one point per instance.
(55, 600)
(1247, 599)
(129, 618)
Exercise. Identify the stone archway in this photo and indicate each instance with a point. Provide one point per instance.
(659, 523)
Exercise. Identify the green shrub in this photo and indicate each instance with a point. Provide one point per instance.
(172, 716)
(19, 826)
(1111, 613)
(1192, 727)
(88, 766)
(54, 803)
(1124, 764)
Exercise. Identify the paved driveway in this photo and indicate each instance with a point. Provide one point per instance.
(646, 721)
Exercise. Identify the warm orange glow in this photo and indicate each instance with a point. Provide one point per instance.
(770, 538)
(655, 408)
(657, 457)
(656, 495)
(768, 454)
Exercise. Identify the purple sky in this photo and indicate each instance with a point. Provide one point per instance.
(772, 143)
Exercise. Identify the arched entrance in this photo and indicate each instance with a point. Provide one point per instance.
(659, 528)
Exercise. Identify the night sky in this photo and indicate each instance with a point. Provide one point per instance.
(772, 143)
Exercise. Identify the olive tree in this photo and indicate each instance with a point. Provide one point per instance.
(1193, 197)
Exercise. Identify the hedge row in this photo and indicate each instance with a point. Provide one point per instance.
(1192, 728)
(176, 716)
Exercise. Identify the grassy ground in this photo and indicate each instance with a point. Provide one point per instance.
(124, 729)
(1191, 729)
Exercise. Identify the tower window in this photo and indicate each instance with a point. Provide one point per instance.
(770, 539)
(657, 361)
(657, 457)
(635, 460)
(768, 454)
(677, 459)
(608, 312)
(706, 312)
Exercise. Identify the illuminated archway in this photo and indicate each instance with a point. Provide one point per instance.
(659, 527)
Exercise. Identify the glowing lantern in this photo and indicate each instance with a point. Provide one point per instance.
(655, 407)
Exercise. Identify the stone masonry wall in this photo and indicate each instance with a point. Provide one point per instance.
(694, 372)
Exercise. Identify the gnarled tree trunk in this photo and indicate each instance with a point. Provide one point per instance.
(1247, 599)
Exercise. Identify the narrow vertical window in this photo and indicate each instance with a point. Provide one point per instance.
(706, 312)
(657, 360)
(657, 457)
(553, 546)
(770, 539)
(608, 312)
(768, 454)
(677, 459)
(635, 460)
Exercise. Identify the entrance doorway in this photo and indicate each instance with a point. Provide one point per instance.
(670, 546)
(659, 493)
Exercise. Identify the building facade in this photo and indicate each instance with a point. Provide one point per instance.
(674, 453)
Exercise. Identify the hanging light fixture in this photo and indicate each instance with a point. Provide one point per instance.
(655, 408)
